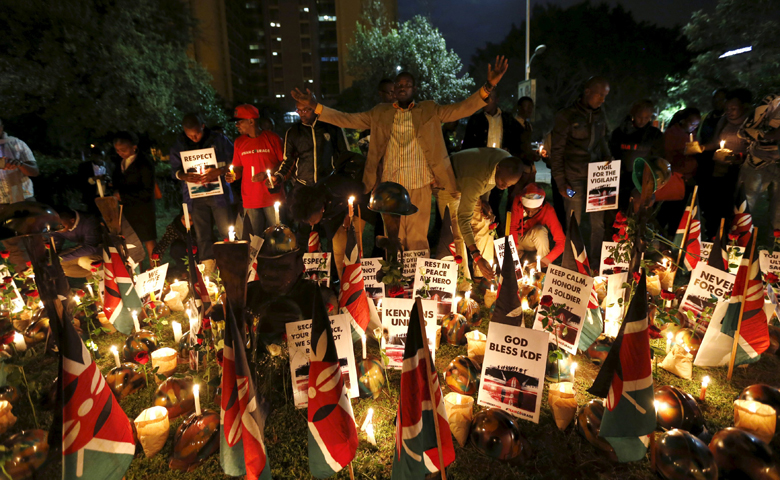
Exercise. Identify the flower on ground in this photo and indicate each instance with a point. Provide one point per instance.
(142, 358)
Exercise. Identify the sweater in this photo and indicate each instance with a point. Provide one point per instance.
(545, 217)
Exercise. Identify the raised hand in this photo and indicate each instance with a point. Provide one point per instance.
(306, 98)
(496, 72)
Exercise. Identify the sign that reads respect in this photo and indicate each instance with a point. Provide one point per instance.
(317, 266)
(198, 162)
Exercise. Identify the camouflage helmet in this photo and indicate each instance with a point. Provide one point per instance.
(392, 198)
(659, 167)
(278, 240)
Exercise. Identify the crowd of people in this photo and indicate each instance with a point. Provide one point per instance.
(414, 143)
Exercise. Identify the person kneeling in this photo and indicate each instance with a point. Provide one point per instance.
(82, 229)
(533, 220)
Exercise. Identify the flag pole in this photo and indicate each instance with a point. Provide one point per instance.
(351, 472)
(360, 234)
(687, 226)
(720, 231)
(428, 365)
(742, 304)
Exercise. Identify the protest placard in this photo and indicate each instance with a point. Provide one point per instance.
(706, 248)
(410, 261)
(498, 244)
(255, 243)
(606, 251)
(395, 325)
(299, 346)
(436, 280)
(613, 313)
(317, 266)
(603, 186)
(705, 283)
(198, 161)
(151, 280)
(513, 370)
(374, 288)
(769, 262)
(572, 290)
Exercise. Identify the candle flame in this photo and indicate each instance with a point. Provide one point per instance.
(113, 349)
(573, 368)
(669, 336)
(524, 304)
(705, 381)
(351, 200)
(722, 144)
(196, 388)
(468, 295)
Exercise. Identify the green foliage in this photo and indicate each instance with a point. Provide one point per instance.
(585, 40)
(416, 46)
(88, 68)
(734, 24)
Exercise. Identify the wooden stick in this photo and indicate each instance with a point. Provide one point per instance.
(508, 223)
(360, 240)
(351, 472)
(687, 226)
(742, 305)
(720, 231)
(119, 219)
(430, 387)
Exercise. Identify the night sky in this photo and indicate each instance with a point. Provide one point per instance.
(470, 24)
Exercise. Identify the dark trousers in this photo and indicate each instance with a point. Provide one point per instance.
(207, 213)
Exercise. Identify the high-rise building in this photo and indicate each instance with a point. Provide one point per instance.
(259, 50)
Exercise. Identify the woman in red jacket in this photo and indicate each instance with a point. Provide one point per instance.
(533, 220)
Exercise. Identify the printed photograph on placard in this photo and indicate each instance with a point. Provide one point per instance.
(603, 185)
(436, 280)
(199, 161)
(608, 264)
(317, 266)
(706, 288)
(570, 292)
(511, 388)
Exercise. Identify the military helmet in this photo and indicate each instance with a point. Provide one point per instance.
(392, 198)
(278, 240)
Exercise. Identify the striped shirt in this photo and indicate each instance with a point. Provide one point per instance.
(404, 159)
(495, 129)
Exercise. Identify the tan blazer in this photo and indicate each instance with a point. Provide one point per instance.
(427, 117)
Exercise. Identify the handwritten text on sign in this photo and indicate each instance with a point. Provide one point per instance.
(603, 186)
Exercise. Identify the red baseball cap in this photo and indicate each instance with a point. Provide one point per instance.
(245, 112)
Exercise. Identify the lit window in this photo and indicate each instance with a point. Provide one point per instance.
(306, 9)
(274, 24)
(311, 81)
(278, 39)
(254, 60)
(276, 53)
(254, 47)
(329, 59)
(327, 18)
(291, 117)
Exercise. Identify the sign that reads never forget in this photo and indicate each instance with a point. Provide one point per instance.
(572, 290)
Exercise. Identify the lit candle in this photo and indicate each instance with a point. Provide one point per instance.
(231, 234)
(562, 388)
(176, 331)
(186, 216)
(573, 369)
(100, 186)
(664, 262)
(668, 342)
(116, 355)
(368, 426)
(494, 144)
(253, 173)
(77, 299)
(351, 207)
(231, 169)
(468, 296)
(19, 342)
(363, 340)
(89, 287)
(538, 263)
(757, 418)
(196, 394)
(524, 304)
(135, 321)
(541, 148)
(669, 302)
(704, 382)
(492, 288)
(690, 136)
(531, 277)
(270, 179)
(277, 204)
(722, 144)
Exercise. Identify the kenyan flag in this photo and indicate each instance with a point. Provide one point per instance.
(120, 295)
(352, 297)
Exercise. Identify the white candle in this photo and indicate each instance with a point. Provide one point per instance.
(186, 216)
(196, 394)
(539, 263)
(704, 383)
(231, 234)
(368, 426)
(351, 208)
(690, 136)
(276, 211)
(253, 173)
(669, 302)
(573, 370)
(19, 342)
(176, 331)
(231, 169)
(363, 340)
(722, 144)
(100, 187)
(116, 355)
(669, 341)
(270, 181)
(135, 321)
(89, 287)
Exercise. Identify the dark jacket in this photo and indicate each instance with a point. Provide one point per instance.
(310, 151)
(629, 143)
(345, 181)
(477, 133)
(223, 147)
(174, 232)
(86, 234)
(579, 137)
(136, 184)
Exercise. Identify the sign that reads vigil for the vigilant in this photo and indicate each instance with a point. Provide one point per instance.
(299, 345)
(572, 290)
(395, 325)
(199, 161)
(603, 186)
(513, 370)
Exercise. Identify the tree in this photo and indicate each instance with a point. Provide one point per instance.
(82, 69)
(734, 24)
(381, 50)
(585, 40)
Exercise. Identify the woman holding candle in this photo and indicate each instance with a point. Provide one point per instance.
(257, 150)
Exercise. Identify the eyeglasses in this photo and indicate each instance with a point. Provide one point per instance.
(304, 110)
